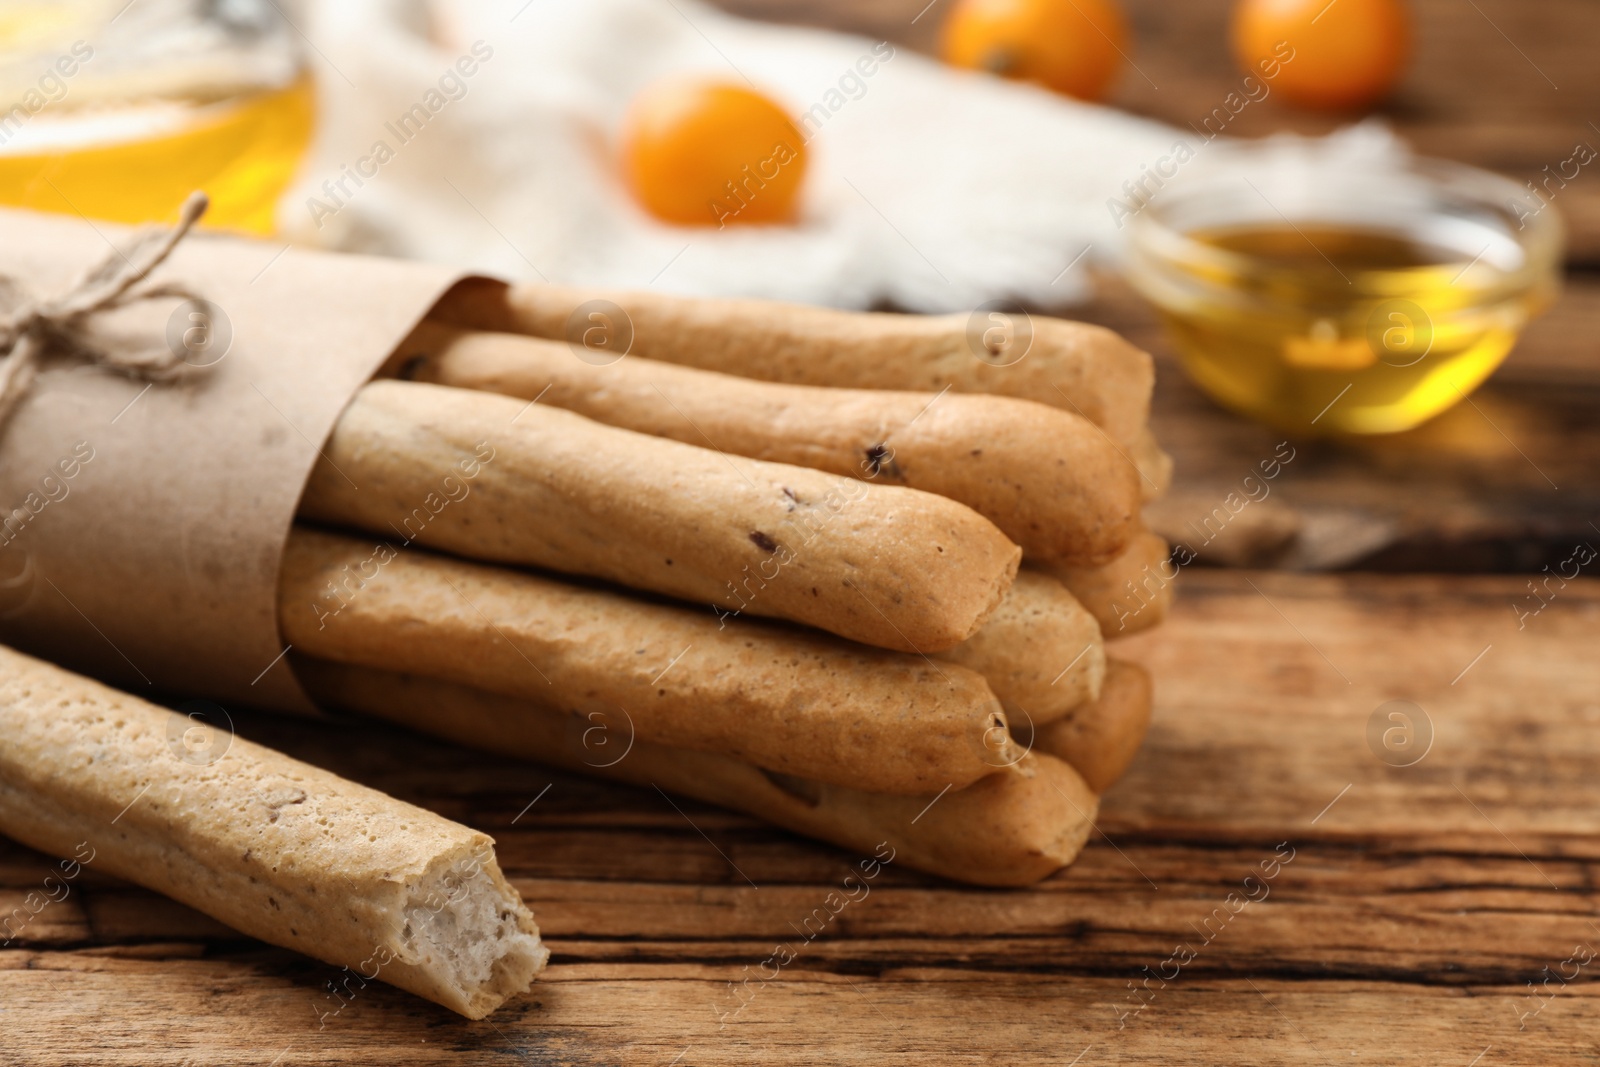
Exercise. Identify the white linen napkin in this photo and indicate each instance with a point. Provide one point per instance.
(483, 135)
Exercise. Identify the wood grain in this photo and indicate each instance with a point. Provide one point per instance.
(1418, 903)
(1421, 901)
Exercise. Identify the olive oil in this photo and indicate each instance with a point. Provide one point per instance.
(1332, 327)
(137, 160)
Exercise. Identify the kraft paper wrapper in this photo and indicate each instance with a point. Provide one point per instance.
(158, 569)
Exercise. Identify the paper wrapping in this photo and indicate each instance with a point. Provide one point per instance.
(153, 517)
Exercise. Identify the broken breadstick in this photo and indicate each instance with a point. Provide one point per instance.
(273, 847)
(1040, 651)
(795, 702)
(1011, 828)
(1129, 594)
(510, 481)
(1073, 365)
(1050, 480)
(1101, 738)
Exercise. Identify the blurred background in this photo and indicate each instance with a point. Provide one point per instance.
(984, 157)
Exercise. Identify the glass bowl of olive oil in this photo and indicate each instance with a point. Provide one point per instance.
(119, 110)
(1326, 297)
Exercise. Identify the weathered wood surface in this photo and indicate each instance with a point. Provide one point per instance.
(1419, 902)
(1417, 909)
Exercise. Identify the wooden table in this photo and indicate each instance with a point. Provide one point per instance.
(1432, 913)
(1418, 904)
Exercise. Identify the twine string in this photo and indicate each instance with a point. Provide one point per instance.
(32, 327)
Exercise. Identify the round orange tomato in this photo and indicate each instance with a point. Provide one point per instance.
(711, 153)
(1071, 46)
(1335, 55)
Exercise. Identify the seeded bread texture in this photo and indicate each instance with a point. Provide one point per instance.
(1052, 481)
(273, 847)
(1011, 828)
(793, 701)
(509, 481)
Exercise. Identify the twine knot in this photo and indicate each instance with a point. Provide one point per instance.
(32, 327)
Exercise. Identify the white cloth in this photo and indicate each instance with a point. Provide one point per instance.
(928, 189)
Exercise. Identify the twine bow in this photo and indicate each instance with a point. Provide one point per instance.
(31, 327)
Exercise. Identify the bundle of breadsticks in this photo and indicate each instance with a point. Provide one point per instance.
(767, 557)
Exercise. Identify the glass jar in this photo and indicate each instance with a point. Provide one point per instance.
(1356, 296)
(119, 110)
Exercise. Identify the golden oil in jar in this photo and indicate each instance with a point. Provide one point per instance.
(138, 162)
(1357, 330)
(119, 111)
(1323, 293)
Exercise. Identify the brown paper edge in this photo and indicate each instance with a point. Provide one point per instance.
(142, 526)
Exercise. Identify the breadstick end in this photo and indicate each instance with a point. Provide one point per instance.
(467, 936)
(1155, 466)
(1101, 738)
(1131, 593)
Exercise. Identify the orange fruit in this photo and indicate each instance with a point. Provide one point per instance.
(712, 153)
(1071, 46)
(1340, 55)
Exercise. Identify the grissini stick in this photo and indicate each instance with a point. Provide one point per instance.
(1011, 828)
(1040, 651)
(796, 702)
(1083, 368)
(886, 566)
(1131, 593)
(1101, 738)
(273, 847)
(1155, 466)
(1050, 480)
